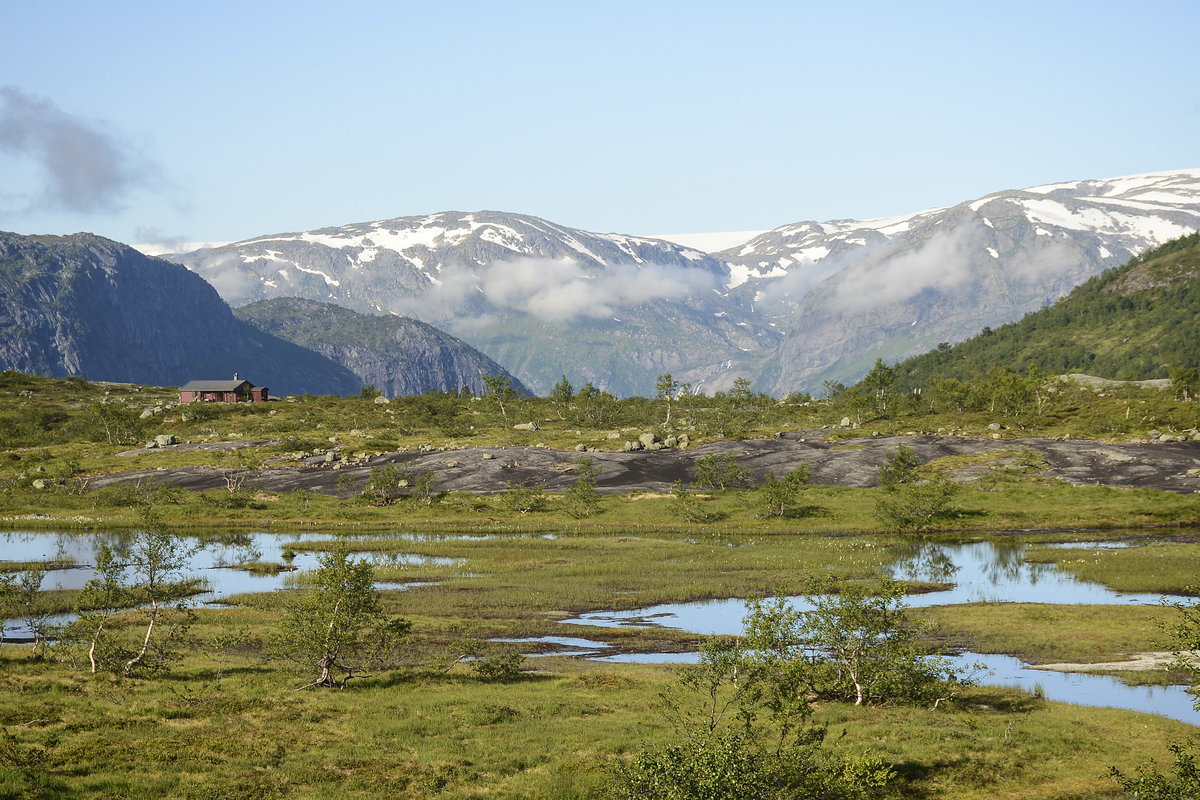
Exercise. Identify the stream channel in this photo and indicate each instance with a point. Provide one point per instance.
(979, 571)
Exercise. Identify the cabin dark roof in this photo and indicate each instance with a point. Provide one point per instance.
(214, 386)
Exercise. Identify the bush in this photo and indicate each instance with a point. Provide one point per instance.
(686, 505)
(523, 499)
(581, 498)
(778, 498)
(501, 667)
(720, 471)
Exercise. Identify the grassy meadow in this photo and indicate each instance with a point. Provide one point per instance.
(225, 718)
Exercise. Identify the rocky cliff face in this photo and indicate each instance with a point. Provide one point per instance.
(85, 305)
(397, 355)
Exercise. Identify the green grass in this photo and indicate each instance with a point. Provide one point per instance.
(1043, 633)
(1150, 566)
(553, 734)
(225, 722)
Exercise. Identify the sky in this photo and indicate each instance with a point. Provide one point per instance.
(152, 122)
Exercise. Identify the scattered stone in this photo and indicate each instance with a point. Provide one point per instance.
(995, 426)
(451, 463)
(845, 423)
(356, 432)
(330, 457)
(614, 435)
(147, 413)
(647, 439)
(527, 426)
(380, 400)
(40, 483)
(671, 441)
(581, 448)
(164, 439)
(488, 456)
(629, 447)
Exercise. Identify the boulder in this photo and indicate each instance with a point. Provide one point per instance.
(380, 400)
(647, 439)
(164, 439)
(527, 426)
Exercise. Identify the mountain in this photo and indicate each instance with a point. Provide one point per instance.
(396, 355)
(845, 292)
(542, 299)
(85, 305)
(1133, 322)
(788, 309)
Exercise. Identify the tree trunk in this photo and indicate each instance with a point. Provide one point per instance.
(133, 662)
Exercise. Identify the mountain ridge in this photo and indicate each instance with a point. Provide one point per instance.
(789, 309)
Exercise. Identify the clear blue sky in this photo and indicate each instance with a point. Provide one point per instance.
(218, 121)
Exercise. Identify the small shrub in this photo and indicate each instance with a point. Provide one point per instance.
(501, 667)
(720, 471)
(686, 505)
(778, 498)
(522, 499)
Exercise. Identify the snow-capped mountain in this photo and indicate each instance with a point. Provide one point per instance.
(789, 309)
(541, 298)
(845, 292)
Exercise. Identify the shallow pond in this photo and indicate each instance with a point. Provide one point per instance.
(976, 572)
(980, 572)
(217, 560)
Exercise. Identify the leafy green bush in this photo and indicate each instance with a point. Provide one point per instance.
(524, 499)
(501, 667)
(686, 505)
(720, 471)
(779, 498)
(581, 498)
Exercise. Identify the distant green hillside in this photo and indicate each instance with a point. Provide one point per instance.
(1134, 322)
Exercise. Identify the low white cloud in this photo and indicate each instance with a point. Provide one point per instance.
(557, 290)
(227, 274)
(942, 262)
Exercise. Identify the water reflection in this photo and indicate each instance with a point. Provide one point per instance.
(220, 559)
(1101, 691)
(981, 572)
